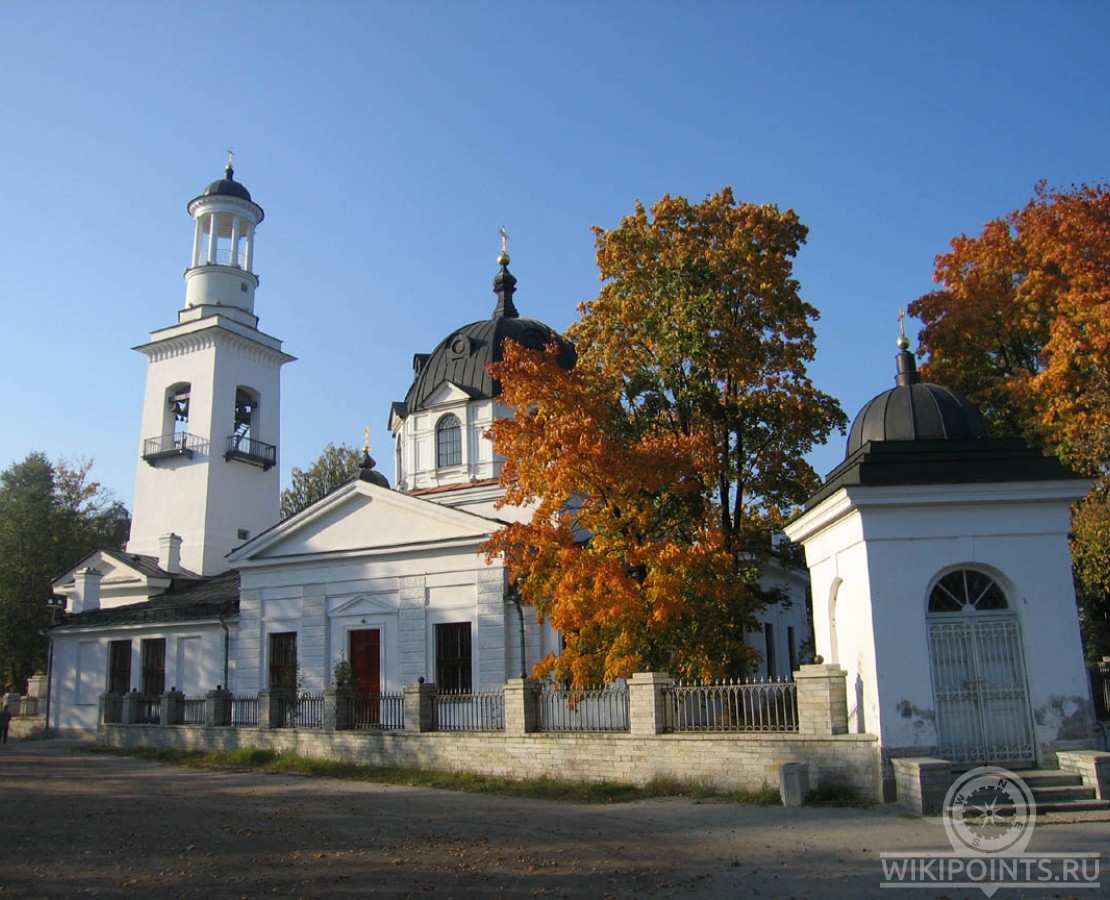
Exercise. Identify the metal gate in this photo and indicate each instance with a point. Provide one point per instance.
(982, 707)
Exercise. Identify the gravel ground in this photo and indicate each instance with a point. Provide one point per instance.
(76, 824)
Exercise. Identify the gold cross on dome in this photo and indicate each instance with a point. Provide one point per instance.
(504, 239)
(366, 436)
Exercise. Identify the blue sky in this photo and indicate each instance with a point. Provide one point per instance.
(388, 142)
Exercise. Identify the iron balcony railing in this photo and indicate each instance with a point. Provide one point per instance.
(600, 708)
(180, 443)
(770, 705)
(249, 450)
(379, 711)
(477, 711)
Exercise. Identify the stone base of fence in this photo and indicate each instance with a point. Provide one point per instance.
(748, 762)
(1093, 766)
(922, 782)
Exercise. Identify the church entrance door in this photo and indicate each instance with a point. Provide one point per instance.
(978, 669)
(366, 669)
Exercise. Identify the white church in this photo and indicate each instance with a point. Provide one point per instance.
(213, 590)
(938, 556)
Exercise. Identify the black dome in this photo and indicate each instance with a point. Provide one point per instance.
(463, 357)
(915, 411)
(227, 186)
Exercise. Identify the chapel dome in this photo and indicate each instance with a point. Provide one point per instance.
(227, 186)
(916, 411)
(464, 356)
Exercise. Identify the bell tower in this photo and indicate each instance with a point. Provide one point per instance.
(210, 426)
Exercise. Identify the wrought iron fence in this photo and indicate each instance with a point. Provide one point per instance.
(193, 711)
(770, 705)
(379, 711)
(478, 711)
(244, 711)
(301, 711)
(149, 711)
(600, 708)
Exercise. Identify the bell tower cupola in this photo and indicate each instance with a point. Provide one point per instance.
(221, 271)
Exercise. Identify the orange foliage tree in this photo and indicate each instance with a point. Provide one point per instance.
(659, 466)
(1021, 325)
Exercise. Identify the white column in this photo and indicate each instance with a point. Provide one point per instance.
(248, 251)
(198, 236)
(235, 241)
(213, 229)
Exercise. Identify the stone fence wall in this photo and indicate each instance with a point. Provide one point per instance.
(835, 760)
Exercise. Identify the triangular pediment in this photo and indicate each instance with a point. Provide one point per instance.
(447, 393)
(363, 605)
(362, 518)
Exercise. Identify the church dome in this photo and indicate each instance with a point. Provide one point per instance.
(227, 186)
(464, 356)
(916, 411)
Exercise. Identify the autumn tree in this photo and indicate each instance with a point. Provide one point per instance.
(335, 466)
(1021, 325)
(660, 465)
(51, 515)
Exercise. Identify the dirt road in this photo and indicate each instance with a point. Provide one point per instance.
(75, 824)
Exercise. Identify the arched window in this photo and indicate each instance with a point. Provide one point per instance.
(966, 591)
(448, 442)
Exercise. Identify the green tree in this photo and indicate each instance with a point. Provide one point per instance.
(676, 444)
(335, 466)
(51, 515)
(1021, 325)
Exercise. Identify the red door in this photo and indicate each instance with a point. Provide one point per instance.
(366, 668)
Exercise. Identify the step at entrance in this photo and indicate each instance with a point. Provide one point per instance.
(1055, 791)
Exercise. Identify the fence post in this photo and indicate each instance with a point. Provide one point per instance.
(420, 710)
(173, 707)
(339, 704)
(647, 706)
(217, 708)
(271, 708)
(521, 714)
(132, 708)
(822, 700)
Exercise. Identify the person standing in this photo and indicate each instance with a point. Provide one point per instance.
(5, 718)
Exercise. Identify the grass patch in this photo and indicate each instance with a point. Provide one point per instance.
(543, 788)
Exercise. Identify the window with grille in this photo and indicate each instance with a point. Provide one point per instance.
(283, 660)
(448, 442)
(154, 667)
(119, 667)
(453, 657)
